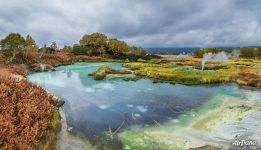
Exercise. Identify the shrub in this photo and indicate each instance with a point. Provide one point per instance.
(25, 113)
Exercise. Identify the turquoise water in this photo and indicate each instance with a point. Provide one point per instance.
(93, 107)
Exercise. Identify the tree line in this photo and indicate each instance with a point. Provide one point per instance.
(244, 52)
(98, 44)
(16, 46)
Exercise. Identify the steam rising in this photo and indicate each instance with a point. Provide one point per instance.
(219, 57)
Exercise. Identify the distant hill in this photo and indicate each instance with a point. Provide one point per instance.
(172, 50)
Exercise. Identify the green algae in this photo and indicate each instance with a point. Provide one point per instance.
(139, 141)
(224, 107)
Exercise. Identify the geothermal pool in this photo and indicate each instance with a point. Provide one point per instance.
(115, 113)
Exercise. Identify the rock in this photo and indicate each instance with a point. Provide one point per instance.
(57, 101)
(18, 77)
(141, 60)
(42, 67)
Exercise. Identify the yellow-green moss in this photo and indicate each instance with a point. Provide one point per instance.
(141, 140)
(103, 71)
(188, 71)
(228, 113)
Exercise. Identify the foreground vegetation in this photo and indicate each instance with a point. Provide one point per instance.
(27, 119)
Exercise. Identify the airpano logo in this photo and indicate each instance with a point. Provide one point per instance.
(243, 143)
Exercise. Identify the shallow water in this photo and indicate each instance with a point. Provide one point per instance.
(93, 107)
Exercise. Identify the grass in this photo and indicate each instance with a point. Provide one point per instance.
(181, 74)
(188, 71)
(103, 71)
(49, 141)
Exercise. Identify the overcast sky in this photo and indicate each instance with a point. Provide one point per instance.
(146, 23)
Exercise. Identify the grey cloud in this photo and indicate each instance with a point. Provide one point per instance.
(144, 23)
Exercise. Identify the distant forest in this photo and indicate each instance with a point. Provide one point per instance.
(244, 52)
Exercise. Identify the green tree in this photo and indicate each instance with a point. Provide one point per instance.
(249, 52)
(43, 50)
(30, 46)
(200, 53)
(82, 50)
(12, 45)
(96, 40)
(67, 49)
(138, 51)
(116, 46)
(53, 47)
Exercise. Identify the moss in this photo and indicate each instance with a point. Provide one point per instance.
(49, 141)
(58, 103)
(101, 73)
(126, 60)
(189, 71)
(177, 135)
(232, 112)
(141, 60)
(140, 140)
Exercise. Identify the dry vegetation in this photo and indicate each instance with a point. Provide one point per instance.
(28, 116)
(49, 60)
(25, 113)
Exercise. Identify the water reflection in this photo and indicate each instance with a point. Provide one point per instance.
(93, 107)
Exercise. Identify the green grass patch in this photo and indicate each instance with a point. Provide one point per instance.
(49, 141)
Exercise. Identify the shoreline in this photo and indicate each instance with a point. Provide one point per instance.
(87, 61)
(197, 146)
(66, 140)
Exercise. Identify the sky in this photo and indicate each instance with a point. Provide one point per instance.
(145, 23)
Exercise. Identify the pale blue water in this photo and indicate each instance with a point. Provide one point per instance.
(94, 106)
